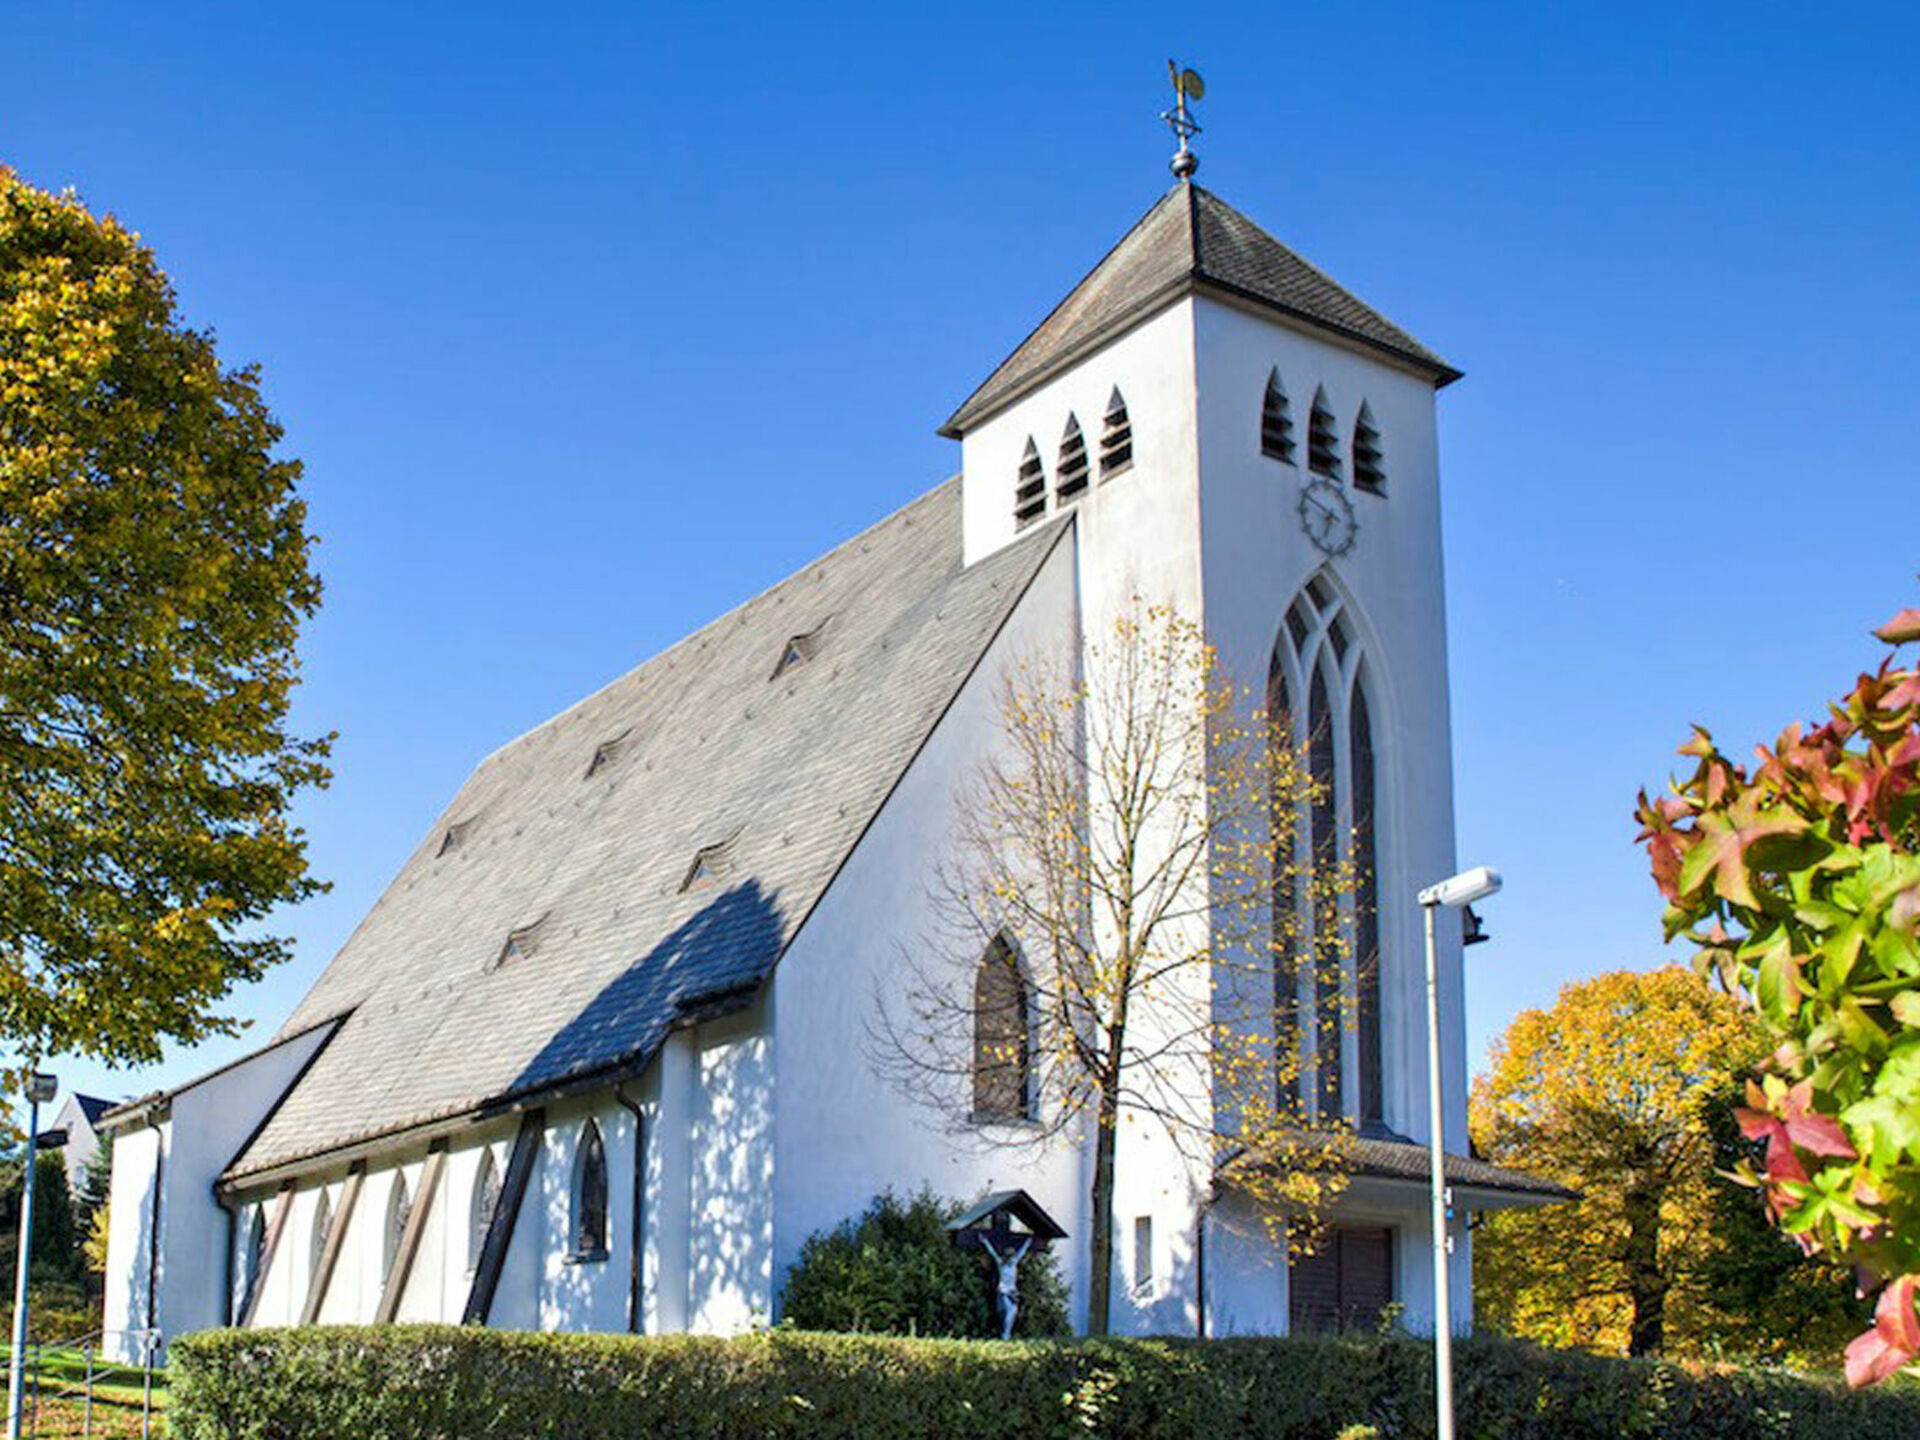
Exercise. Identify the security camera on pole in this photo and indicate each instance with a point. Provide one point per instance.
(1451, 894)
(41, 1088)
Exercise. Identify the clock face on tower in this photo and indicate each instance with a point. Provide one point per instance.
(1327, 517)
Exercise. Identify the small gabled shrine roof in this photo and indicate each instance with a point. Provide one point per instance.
(1190, 240)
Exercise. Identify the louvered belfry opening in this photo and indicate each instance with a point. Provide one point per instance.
(1323, 438)
(1070, 475)
(1029, 488)
(1116, 439)
(1276, 422)
(1369, 456)
(1346, 1283)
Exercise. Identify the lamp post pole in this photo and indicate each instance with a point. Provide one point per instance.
(40, 1088)
(1437, 1185)
(1451, 894)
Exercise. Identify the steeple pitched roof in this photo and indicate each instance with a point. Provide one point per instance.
(1190, 240)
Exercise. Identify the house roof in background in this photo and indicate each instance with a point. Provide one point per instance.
(646, 856)
(1190, 240)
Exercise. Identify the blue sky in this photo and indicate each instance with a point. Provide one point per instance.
(590, 321)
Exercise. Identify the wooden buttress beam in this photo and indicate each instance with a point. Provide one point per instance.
(493, 1255)
(396, 1282)
(330, 1249)
(257, 1281)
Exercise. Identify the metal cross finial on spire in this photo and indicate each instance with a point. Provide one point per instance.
(1187, 87)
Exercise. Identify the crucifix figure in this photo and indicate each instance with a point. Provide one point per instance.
(1007, 1255)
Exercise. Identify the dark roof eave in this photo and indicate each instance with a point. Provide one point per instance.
(990, 399)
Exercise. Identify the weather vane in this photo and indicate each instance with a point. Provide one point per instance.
(1187, 87)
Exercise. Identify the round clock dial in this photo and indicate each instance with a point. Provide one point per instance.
(1327, 517)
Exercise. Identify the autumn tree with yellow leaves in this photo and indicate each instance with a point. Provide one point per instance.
(1117, 863)
(154, 572)
(1623, 1090)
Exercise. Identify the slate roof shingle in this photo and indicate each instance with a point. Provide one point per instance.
(787, 772)
(1190, 239)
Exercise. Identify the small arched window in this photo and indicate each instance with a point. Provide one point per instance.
(322, 1229)
(1369, 456)
(1323, 438)
(1002, 1037)
(1116, 439)
(399, 1207)
(482, 1208)
(1276, 421)
(1029, 488)
(590, 1195)
(1070, 475)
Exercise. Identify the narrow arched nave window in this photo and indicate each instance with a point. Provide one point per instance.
(590, 1195)
(1002, 1036)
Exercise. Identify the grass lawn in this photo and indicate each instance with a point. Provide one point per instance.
(58, 1376)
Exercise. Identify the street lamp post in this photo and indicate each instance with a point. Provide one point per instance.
(40, 1089)
(1450, 894)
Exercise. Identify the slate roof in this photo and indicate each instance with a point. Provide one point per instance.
(1190, 240)
(1401, 1159)
(774, 777)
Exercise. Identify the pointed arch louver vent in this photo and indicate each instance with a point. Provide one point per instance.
(1323, 438)
(1276, 422)
(1369, 456)
(1116, 439)
(1070, 475)
(1029, 488)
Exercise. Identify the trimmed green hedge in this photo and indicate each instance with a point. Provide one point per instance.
(447, 1383)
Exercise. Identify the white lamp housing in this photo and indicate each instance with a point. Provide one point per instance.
(1462, 889)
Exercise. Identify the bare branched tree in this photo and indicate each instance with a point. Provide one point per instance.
(1132, 933)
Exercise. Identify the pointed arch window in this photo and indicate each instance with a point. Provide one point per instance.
(1326, 929)
(589, 1237)
(1369, 455)
(399, 1209)
(1276, 421)
(1002, 1036)
(482, 1207)
(1323, 438)
(1366, 909)
(1070, 474)
(1285, 899)
(322, 1229)
(254, 1254)
(1029, 488)
(1116, 439)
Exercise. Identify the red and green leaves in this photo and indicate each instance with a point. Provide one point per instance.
(1799, 884)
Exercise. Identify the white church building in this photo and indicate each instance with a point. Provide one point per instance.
(599, 1058)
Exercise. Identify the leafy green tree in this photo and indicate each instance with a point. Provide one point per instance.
(56, 1238)
(1798, 883)
(895, 1270)
(1609, 1092)
(154, 571)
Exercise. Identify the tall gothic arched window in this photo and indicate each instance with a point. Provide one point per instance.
(1002, 1036)
(1326, 946)
(1366, 907)
(590, 1194)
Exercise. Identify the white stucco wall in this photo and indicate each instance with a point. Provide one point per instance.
(843, 1132)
